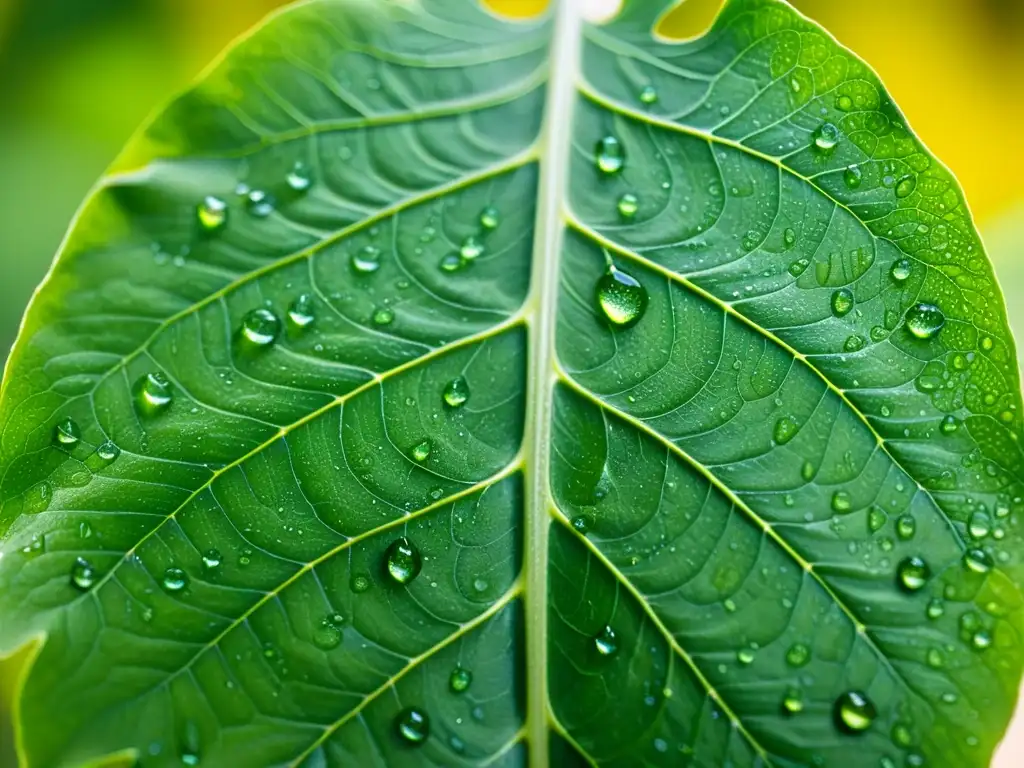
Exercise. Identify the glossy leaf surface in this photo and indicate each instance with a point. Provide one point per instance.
(425, 388)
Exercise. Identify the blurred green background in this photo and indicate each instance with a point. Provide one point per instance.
(77, 77)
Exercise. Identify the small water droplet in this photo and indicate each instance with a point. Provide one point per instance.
(949, 425)
(906, 185)
(460, 680)
(841, 502)
(302, 311)
(798, 655)
(901, 735)
(785, 429)
(935, 658)
(628, 205)
(901, 269)
(67, 433)
(853, 176)
(366, 260)
(212, 213)
(153, 392)
(108, 450)
(876, 518)
(413, 725)
(421, 451)
(403, 561)
(471, 248)
(936, 608)
(913, 573)
(83, 575)
(906, 526)
(977, 560)
(360, 583)
(648, 95)
(298, 178)
(451, 262)
(793, 702)
(925, 320)
(606, 642)
(456, 392)
(842, 302)
(854, 712)
(383, 316)
(621, 298)
(745, 656)
(826, 137)
(979, 525)
(609, 155)
(789, 237)
(174, 579)
(259, 204)
(211, 559)
(490, 217)
(260, 327)
(327, 636)
(845, 103)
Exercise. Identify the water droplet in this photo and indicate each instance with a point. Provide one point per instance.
(901, 735)
(298, 178)
(366, 260)
(906, 526)
(789, 236)
(793, 702)
(67, 433)
(301, 312)
(648, 95)
(108, 450)
(360, 583)
(925, 320)
(212, 213)
(259, 204)
(745, 656)
(403, 561)
(383, 316)
(845, 103)
(490, 217)
(785, 429)
(83, 575)
(798, 655)
(460, 680)
(451, 262)
(421, 451)
(413, 725)
(260, 327)
(901, 269)
(842, 302)
(936, 608)
(581, 523)
(853, 176)
(979, 525)
(606, 642)
(977, 560)
(906, 185)
(798, 267)
(826, 137)
(628, 205)
(328, 635)
(211, 559)
(949, 425)
(153, 392)
(935, 658)
(621, 298)
(456, 392)
(876, 518)
(841, 502)
(609, 155)
(981, 640)
(471, 248)
(174, 579)
(913, 573)
(854, 712)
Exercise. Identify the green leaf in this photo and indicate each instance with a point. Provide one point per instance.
(426, 388)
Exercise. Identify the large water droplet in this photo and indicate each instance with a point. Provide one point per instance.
(842, 302)
(366, 260)
(853, 176)
(471, 248)
(901, 269)
(925, 320)
(609, 155)
(628, 205)
(913, 573)
(153, 392)
(212, 213)
(174, 579)
(403, 561)
(978, 560)
(606, 642)
(841, 502)
(67, 433)
(826, 137)
(260, 327)
(83, 575)
(456, 392)
(854, 712)
(460, 680)
(421, 451)
(302, 311)
(979, 525)
(413, 725)
(621, 298)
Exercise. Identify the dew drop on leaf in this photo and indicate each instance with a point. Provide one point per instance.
(979, 525)
(905, 186)
(421, 451)
(628, 205)
(456, 392)
(174, 580)
(471, 248)
(83, 575)
(906, 526)
(977, 560)
(327, 636)
(259, 204)
(260, 327)
(841, 502)
(949, 425)
(648, 94)
(798, 655)
(413, 725)
(366, 260)
(876, 518)
(789, 238)
(605, 642)
(360, 583)
(460, 680)
(301, 312)
(609, 155)
(854, 712)
(852, 176)
(108, 450)
(900, 271)
(402, 561)
(785, 429)
(925, 320)
(621, 298)
(745, 656)
(913, 573)
(826, 137)
(901, 735)
(212, 559)
(212, 213)
(793, 702)
(842, 302)
(844, 103)
(383, 316)
(490, 218)
(67, 433)
(451, 262)
(936, 608)
(298, 178)
(153, 393)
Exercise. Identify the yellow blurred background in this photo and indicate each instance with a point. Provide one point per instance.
(77, 76)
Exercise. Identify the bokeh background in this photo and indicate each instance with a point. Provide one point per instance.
(78, 76)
